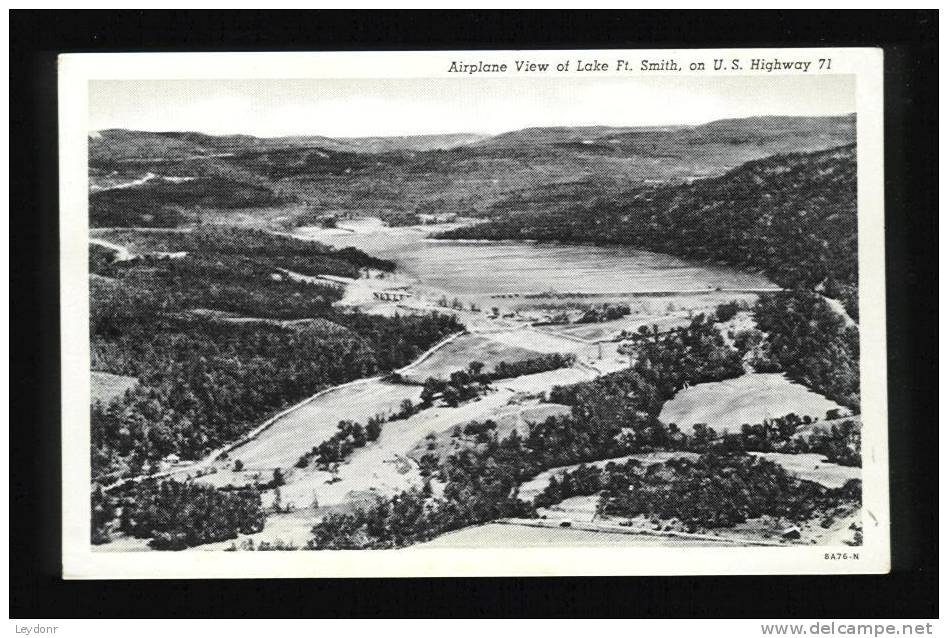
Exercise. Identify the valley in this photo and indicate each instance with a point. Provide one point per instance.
(359, 340)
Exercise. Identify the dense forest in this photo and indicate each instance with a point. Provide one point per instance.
(812, 343)
(161, 202)
(176, 515)
(204, 378)
(792, 217)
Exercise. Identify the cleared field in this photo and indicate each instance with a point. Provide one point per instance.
(608, 330)
(507, 418)
(460, 352)
(384, 467)
(814, 467)
(282, 443)
(752, 398)
(501, 535)
(541, 340)
(107, 387)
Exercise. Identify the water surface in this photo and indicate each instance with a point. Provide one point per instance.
(476, 268)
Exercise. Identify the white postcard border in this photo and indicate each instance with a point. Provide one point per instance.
(80, 562)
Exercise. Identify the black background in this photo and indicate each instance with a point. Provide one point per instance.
(911, 194)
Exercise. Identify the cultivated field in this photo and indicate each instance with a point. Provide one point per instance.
(609, 330)
(752, 398)
(460, 352)
(282, 443)
(814, 467)
(515, 415)
(106, 387)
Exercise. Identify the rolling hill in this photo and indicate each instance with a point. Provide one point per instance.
(462, 173)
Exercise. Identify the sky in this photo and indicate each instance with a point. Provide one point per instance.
(359, 108)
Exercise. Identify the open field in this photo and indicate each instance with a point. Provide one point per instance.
(752, 398)
(384, 466)
(282, 444)
(381, 468)
(501, 535)
(814, 467)
(106, 387)
(514, 415)
(542, 340)
(457, 354)
(609, 330)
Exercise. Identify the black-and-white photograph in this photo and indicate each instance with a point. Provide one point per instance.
(478, 311)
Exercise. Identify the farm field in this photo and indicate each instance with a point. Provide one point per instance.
(385, 466)
(814, 467)
(515, 415)
(379, 469)
(281, 445)
(105, 386)
(460, 352)
(725, 405)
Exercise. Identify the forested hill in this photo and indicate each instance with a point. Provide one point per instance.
(141, 178)
(791, 216)
(217, 338)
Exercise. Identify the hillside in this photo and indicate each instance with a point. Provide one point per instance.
(461, 173)
(218, 338)
(790, 216)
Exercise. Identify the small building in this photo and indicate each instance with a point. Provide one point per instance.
(792, 533)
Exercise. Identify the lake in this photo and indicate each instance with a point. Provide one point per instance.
(478, 268)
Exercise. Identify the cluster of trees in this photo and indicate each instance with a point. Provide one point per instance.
(460, 386)
(464, 385)
(812, 343)
(177, 515)
(400, 217)
(349, 436)
(479, 487)
(204, 382)
(838, 442)
(791, 216)
(713, 490)
(533, 365)
(663, 364)
(607, 312)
